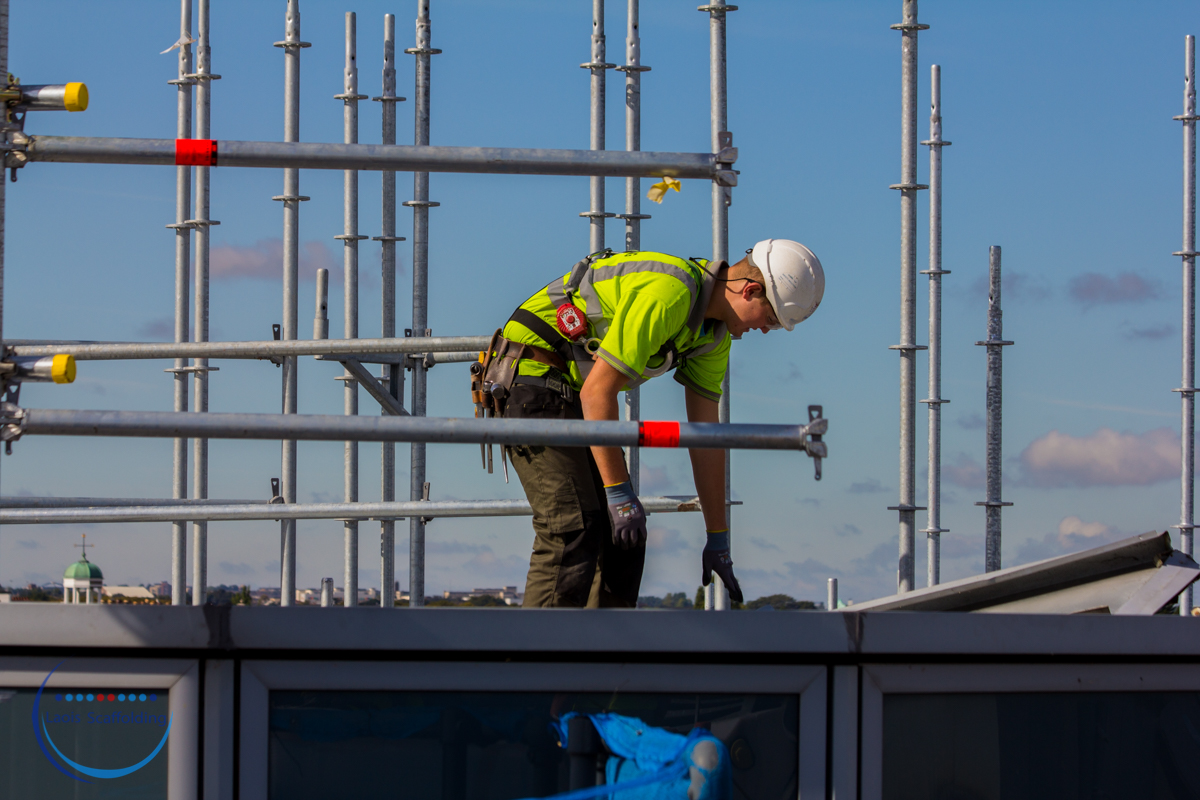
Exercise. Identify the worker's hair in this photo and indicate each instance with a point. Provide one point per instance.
(742, 269)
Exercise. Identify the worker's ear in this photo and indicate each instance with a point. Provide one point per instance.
(751, 290)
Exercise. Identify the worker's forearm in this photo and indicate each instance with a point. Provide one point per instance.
(609, 460)
(708, 467)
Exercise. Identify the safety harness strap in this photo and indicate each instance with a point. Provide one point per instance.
(559, 386)
(543, 329)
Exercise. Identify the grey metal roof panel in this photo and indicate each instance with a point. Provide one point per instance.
(1144, 551)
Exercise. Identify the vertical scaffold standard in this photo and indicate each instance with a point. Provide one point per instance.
(1187, 391)
(908, 186)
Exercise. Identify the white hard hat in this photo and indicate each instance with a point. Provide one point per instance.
(795, 279)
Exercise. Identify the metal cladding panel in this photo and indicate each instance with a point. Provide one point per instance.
(44, 625)
(1057, 636)
(606, 635)
(505, 631)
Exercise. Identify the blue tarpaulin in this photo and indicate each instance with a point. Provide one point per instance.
(651, 763)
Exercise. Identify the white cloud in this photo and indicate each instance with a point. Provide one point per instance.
(264, 260)
(1104, 458)
(656, 481)
(1073, 534)
(1093, 289)
(964, 471)
(668, 542)
(1074, 528)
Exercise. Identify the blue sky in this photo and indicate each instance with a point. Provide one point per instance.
(1064, 153)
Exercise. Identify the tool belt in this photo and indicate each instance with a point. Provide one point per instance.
(493, 376)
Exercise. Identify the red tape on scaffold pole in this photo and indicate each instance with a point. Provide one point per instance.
(195, 152)
(658, 434)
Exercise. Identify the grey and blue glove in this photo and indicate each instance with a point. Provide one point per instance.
(716, 558)
(627, 515)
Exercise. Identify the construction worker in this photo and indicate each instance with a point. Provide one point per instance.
(614, 321)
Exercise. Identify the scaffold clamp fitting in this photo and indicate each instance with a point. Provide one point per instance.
(725, 177)
(12, 423)
(813, 444)
(15, 156)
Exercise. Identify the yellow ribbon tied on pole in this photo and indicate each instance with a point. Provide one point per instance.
(659, 190)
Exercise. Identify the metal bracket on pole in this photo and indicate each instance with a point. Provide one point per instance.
(374, 387)
(276, 497)
(812, 435)
(277, 335)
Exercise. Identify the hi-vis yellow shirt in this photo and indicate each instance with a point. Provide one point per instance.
(639, 306)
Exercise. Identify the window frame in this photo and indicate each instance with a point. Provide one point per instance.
(258, 678)
(881, 679)
(180, 678)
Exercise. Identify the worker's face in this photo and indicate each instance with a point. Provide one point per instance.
(752, 310)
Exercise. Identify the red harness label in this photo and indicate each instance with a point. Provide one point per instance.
(571, 321)
(658, 434)
(196, 152)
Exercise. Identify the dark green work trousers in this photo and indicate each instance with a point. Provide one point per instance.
(574, 563)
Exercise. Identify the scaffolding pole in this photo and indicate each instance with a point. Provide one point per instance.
(360, 349)
(393, 374)
(934, 529)
(420, 204)
(350, 239)
(908, 347)
(1187, 392)
(597, 65)
(995, 344)
(633, 215)
(291, 200)
(376, 157)
(243, 510)
(183, 227)
(17, 422)
(716, 596)
(204, 78)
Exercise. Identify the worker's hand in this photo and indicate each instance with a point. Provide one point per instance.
(627, 515)
(716, 558)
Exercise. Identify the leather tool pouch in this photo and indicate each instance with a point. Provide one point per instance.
(492, 380)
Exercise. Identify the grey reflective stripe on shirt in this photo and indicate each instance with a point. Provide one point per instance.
(709, 271)
(684, 380)
(718, 337)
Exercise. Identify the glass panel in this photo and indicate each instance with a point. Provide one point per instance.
(498, 745)
(1029, 746)
(105, 732)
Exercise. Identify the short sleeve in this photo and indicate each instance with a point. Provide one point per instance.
(642, 322)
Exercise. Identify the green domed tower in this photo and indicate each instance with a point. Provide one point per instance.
(83, 581)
